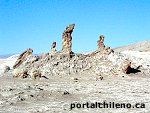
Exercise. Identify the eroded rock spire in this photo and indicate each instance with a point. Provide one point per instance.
(100, 43)
(67, 39)
(53, 47)
(22, 57)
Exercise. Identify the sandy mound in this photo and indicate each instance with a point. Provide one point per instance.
(139, 46)
(10, 61)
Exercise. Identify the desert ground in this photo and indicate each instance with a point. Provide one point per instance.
(63, 81)
(55, 94)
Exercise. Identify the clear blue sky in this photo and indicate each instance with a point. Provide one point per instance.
(37, 23)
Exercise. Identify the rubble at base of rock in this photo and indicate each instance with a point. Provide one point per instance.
(23, 73)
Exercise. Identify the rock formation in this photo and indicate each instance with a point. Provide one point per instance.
(20, 73)
(22, 57)
(67, 39)
(60, 64)
(108, 50)
(53, 47)
(126, 66)
(102, 47)
(36, 74)
(100, 43)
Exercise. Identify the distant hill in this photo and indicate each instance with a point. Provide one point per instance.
(11, 55)
(5, 56)
(139, 46)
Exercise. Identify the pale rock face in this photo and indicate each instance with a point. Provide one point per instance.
(137, 58)
(20, 73)
(36, 74)
(67, 39)
(22, 57)
(126, 66)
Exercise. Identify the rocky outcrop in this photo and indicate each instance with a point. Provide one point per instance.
(100, 43)
(102, 47)
(108, 50)
(23, 73)
(43, 55)
(126, 66)
(60, 64)
(53, 47)
(22, 57)
(67, 39)
(36, 74)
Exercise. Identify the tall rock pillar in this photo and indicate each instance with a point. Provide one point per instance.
(100, 43)
(67, 39)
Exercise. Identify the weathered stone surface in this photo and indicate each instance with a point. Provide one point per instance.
(65, 62)
(100, 43)
(107, 48)
(22, 57)
(20, 73)
(126, 66)
(36, 74)
(101, 46)
(43, 55)
(53, 47)
(67, 39)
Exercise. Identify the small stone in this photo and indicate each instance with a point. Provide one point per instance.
(22, 99)
(31, 95)
(40, 89)
(76, 79)
(11, 103)
(66, 93)
(10, 89)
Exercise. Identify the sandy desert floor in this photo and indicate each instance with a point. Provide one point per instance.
(55, 95)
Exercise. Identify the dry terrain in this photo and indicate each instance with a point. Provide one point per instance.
(57, 93)
(55, 81)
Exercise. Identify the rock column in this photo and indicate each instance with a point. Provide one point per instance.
(67, 39)
(53, 47)
(100, 43)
